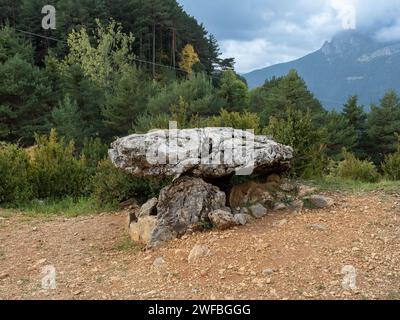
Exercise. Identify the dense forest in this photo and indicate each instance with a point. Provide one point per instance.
(116, 67)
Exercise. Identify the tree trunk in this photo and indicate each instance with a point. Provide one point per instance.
(154, 50)
(173, 46)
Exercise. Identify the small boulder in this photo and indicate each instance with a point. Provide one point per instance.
(258, 211)
(279, 206)
(158, 262)
(149, 208)
(142, 230)
(198, 252)
(280, 223)
(242, 219)
(268, 272)
(288, 186)
(320, 201)
(297, 206)
(222, 219)
(304, 191)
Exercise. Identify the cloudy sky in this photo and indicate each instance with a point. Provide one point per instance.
(259, 33)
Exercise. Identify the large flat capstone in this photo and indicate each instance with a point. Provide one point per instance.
(205, 152)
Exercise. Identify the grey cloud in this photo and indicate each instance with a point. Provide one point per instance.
(263, 32)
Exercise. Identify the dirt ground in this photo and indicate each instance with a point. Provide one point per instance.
(282, 256)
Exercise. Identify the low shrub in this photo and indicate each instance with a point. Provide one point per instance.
(15, 185)
(111, 185)
(391, 165)
(93, 151)
(355, 169)
(55, 171)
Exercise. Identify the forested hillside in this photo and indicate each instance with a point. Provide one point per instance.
(112, 68)
(161, 28)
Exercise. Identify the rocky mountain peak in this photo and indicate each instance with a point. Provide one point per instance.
(349, 42)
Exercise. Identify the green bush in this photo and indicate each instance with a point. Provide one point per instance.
(111, 185)
(299, 131)
(55, 171)
(391, 165)
(93, 151)
(14, 174)
(236, 120)
(358, 170)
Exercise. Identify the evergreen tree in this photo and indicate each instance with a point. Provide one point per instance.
(162, 28)
(382, 126)
(356, 117)
(126, 99)
(298, 130)
(67, 120)
(276, 94)
(70, 81)
(233, 91)
(197, 91)
(24, 90)
(354, 113)
(12, 44)
(339, 134)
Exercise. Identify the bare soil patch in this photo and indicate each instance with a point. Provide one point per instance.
(282, 256)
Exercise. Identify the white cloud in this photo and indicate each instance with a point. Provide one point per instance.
(346, 12)
(391, 33)
(259, 33)
(258, 53)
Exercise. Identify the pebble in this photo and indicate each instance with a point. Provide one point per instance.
(4, 276)
(318, 227)
(158, 262)
(267, 272)
(280, 223)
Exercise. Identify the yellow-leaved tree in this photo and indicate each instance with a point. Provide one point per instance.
(189, 58)
(109, 53)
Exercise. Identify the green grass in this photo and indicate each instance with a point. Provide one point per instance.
(329, 184)
(126, 244)
(393, 295)
(69, 207)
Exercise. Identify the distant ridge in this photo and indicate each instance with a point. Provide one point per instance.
(352, 63)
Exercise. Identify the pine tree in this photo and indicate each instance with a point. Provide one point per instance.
(356, 117)
(24, 97)
(25, 94)
(277, 94)
(299, 131)
(234, 91)
(67, 120)
(125, 100)
(382, 126)
(339, 134)
(354, 113)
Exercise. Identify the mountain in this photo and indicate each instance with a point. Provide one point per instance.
(352, 63)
